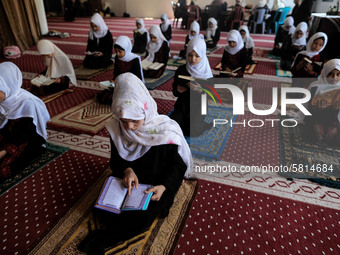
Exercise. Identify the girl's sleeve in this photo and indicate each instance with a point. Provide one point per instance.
(117, 163)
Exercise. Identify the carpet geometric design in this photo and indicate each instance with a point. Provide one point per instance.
(176, 62)
(88, 117)
(83, 73)
(282, 73)
(249, 68)
(151, 83)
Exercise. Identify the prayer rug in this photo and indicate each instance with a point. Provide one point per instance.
(176, 62)
(249, 68)
(211, 50)
(270, 56)
(211, 143)
(161, 238)
(83, 73)
(282, 73)
(88, 117)
(307, 159)
(54, 96)
(51, 153)
(151, 83)
(259, 53)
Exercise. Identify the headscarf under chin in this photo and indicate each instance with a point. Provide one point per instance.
(132, 100)
(153, 47)
(99, 21)
(288, 25)
(202, 69)
(248, 41)
(194, 26)
(234, 36)
(165, 26)
(302, 26)
(211, 31)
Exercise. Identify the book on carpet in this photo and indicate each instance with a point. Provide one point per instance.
(114, 197)
(42, 81)
(147, 65)
(189, 78)
(91, 53)
(106, 84)
(231, 72)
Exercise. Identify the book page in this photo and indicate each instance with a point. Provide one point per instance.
(156, 66)
(146, 64)
(42, 80)
(115, 194)
(107, 84)
(136, 196)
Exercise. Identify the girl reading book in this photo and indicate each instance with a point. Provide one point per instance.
(157, 50)
(212, 36)
(125, 61)
(284, 30)
(166, 27)
(292, 45)
(99, 44)
(23, 131)
(248, 43)
(58, 67)
(323, 124)
(188, 102)
(193, 33)
(145, 148)
(140, 37)
(234, 59)
(308, 63)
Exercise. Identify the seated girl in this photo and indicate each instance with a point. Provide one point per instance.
(234, 59)
(161, 158)
(308, 63)
(212, 36)
(23, 132)
(248, 43)
(58, 67)
(188, 102)
(323, 124)
(157, 50)
(292, 45)
(125, 61)
(193, 33)
(99, 44)
(286, 29)
(140, 37)
(166, 27)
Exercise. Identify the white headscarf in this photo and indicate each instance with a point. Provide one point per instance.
(202, 69)
(125, 43)
(288, 25)
(248, 41)
(132, 100)
(142, 30)
(60, 65)
(165, 26)
(308, 52)
(195, 27)
(153, 47)
(211, 31)
(302, 26)
(20, 103)
(99, 21)
(234, 36)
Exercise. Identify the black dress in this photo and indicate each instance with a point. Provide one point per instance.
(105, 46)
(288, 53)
(240, 59)
(215, 39)
(161, 165)
(140, 42)
(279, 38)
(168, 33)
(161, 56)
(183, 53)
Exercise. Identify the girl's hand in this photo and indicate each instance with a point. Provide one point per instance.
(3, 153)
(181, 89)
(195, 86)
(309, 68)
(98, 54)
(301, 64)
(227, 69)
(57, 80)
(130, 179)
(158, 192)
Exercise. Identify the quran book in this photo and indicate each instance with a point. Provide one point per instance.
(147, 65)
(114, 197)
(91, 53)
(189, 78)
(106, 84)
(42, 81)
(233, 71)
(330, 98)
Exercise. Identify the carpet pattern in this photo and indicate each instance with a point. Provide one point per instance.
(282, 73)
(211, 143)
(249, 68)
(176, 62)
(51, 153)
(84, 73)
(161, 238)
(152, 84)
(88, 117)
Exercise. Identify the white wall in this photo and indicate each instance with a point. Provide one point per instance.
(320, 6)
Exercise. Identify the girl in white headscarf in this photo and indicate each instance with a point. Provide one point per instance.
(193, 33)
(140, 37)
(166, 27)
(301, 67)
(286, 29)
(58, 67)
(188, 101)
(146, 148)
(292, 45)
(212, 36)
(23, 131)
(99, 44)
(248, 43)
(157, 50)
(323, 124)
(234, 56)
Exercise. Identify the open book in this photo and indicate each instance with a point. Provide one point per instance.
(311, 62)
(42, 81)
(106, 84)
(91, 53)
(330, 98)
(114, 197)
(147, 65)
(232, 72)
(189, 78)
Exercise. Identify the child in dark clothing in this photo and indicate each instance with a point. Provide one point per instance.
(140, 37)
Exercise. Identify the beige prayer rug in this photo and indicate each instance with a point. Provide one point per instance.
(88, 117)
(161, 238)
(83, 73)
